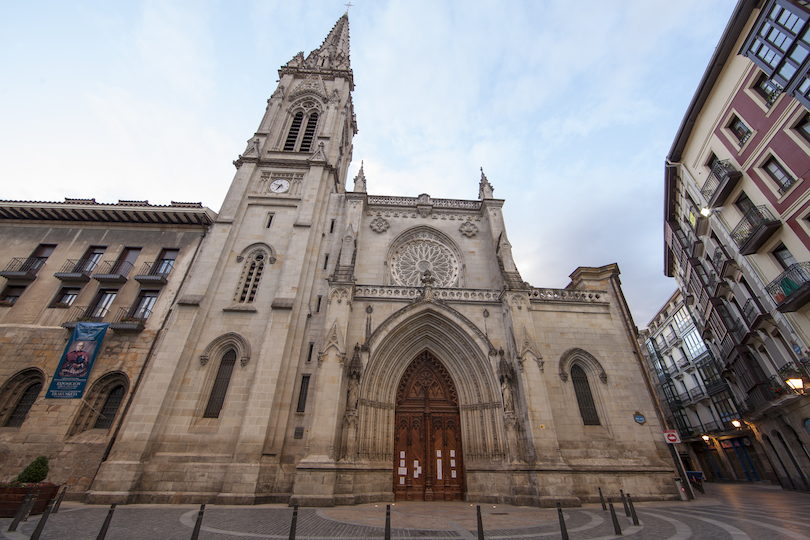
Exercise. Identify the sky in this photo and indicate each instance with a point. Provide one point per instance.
(570, 107)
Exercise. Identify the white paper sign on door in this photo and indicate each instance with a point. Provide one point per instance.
(439, 469)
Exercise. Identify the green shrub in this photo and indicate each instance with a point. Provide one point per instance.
(35, 472)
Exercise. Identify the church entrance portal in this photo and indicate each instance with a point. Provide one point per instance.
(428, 462)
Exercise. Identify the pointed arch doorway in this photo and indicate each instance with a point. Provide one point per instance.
(428, 461)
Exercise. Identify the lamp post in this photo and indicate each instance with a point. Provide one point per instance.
(797, 384)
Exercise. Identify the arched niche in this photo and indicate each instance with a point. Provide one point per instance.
(231, 340)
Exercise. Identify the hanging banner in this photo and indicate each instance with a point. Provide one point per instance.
(77, 361)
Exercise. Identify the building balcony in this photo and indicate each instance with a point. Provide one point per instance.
(697, 393)
(113, 271)
(717, 386)
(683, 363)
(79, 314)
(130, 319)
(156, 273)
(754, 229)
(753, 313)
(23, 269)
(76, 270)
(791, 289)
(722, 180)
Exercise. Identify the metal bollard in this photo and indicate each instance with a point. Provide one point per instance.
(632, 510)
(616, 528)
(480, 524)
(563, 530)
(624, 502)
(196, 534)
(20, 512)
(103, 532)
(30, 507)
(42, 520)
(387, 522)
(58, 502)
(294, 522)
(602, 499)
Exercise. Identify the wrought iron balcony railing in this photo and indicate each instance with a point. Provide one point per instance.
(113, 271)
(720, 183)
(697, 392)
(76, 270)
(156, 272)
(24, 269)
(754, 229)
(791, 289)
(752, 311)
(85, 314)
(130, 318)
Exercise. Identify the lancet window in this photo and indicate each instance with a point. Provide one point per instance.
(296, 140)
(221, 383)
(587, 407)
(251, 276)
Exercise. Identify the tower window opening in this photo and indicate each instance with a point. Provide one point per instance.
(302, 395)
(332, 227)
(309, 133)
(326, 261)
(311, 350)
(251, 277)
(318, 308)
(292, 136)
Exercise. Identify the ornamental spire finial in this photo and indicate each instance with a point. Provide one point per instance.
(484, 188)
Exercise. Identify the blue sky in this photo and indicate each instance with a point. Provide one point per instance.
(569, 106)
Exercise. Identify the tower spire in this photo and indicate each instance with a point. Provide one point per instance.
(334, 52)
(484, 187)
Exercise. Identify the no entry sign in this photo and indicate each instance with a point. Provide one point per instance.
(672, 437)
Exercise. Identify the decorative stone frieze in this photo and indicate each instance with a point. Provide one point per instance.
(414, 201)
(565, 295)
(393, 292)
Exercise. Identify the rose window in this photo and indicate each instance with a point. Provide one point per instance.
(412, 259)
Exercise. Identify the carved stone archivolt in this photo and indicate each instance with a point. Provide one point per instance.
(220, 345)
(584, 358)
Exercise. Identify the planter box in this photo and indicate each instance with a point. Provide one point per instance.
(11, 497)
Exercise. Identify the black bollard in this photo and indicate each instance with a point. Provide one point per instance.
(42, 520)
(31, 502)
(624, 502)
(480, 525)
(294, 522)
(387, 522)
(103, 532)
(20, 512)
(601, 498)
(196, 534)
(616, 528)
(632, 510)
(563, 530)
(58, 502)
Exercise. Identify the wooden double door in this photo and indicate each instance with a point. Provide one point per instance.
(428, 461)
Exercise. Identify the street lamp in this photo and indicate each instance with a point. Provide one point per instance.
(797, 384)
(706, 438)
(736, 423)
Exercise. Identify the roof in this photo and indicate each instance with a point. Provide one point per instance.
(90, 211)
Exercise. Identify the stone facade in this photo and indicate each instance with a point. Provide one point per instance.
(314, 312)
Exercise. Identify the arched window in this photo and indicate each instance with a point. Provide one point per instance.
(587, 408)
(101, 403)
(295, 140)
(251, 276)
(110, 408)
(220, 388)
(19, 395)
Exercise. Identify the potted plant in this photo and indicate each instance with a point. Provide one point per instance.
(31, 478)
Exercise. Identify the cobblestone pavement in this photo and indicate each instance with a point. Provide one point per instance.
(727, 511)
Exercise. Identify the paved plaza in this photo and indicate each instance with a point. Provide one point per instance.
(727, 511)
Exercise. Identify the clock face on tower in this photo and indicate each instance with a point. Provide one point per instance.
(280, 186)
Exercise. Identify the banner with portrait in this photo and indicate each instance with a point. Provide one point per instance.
(77, 361)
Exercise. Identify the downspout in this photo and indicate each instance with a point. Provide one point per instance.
(151, 351)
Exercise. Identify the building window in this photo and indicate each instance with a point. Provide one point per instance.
(740, 131)
(302, 395)
(694, 344)
(142, 307)
(269, 219)
(304, 145)
(251, 277)
(11, 294)
(220, 389)
(110, 408)
(65, 297)
(311, 350)
(165, 261)
(318, 308)
(90, 259)
(587, 408)
(326, 261)
(774, 46)
(725, 406)
(101, 304)
(776, 171)
(803, 127)
(768, 89)
(18, 396)
(713, 160)
(332, 227)
(784, 256)
(743, 203)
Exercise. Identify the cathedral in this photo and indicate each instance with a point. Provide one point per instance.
(326, 346)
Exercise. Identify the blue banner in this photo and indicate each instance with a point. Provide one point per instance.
(77, 361)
